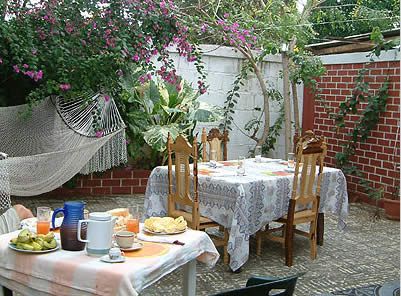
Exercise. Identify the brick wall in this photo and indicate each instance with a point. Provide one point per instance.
(117, 181)
(379, 157)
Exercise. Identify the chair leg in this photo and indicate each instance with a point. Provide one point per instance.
(289, 233)
(313, 241)
(259, 242)
(226, 256)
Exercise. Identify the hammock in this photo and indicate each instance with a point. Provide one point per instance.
(55, 142)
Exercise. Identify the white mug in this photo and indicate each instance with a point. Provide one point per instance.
(125, 239)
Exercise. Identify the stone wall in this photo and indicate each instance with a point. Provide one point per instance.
(379, 157)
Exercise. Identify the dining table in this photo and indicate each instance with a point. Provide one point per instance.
(246, 203)
(72, 273)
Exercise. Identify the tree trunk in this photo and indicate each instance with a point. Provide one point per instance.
(296, 109)
(266, 108)
(287, 104)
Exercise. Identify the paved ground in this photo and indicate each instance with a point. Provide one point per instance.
(366, 253)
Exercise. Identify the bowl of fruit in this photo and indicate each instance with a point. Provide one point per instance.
(30, 242)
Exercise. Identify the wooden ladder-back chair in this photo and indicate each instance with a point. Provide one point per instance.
(217, 141)
(311, 150)
(181, 195)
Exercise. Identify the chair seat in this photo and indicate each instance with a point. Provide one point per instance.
(203, 221)
(299, 217)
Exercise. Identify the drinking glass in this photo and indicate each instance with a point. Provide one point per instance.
(290, 160)
(133, 221)
(241, 166)
(258, 153)
(213, 158)
(43, 220)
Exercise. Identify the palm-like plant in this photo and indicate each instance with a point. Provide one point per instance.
(155, 109)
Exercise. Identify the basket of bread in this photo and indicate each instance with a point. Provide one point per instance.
(165, 225)
(122, 215)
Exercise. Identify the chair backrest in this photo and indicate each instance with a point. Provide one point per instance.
(216, 141)
(180, 192)
(257, 287)
(310, 152)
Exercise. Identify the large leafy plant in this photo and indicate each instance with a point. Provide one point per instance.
(157, 108)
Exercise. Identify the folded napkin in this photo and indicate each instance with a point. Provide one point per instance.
(158, 239)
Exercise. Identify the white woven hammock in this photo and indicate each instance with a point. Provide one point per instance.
(57, 141)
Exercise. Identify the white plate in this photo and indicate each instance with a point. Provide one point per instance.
(107, 259)
(266, 159)
(135, 246)
(12, 246)
(164, 233)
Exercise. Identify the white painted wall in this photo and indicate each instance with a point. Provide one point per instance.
(222, 64)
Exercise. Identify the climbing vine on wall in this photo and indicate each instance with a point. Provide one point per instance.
(369, 117)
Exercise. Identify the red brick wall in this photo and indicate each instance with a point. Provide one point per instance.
(379, 157)
(117, 181)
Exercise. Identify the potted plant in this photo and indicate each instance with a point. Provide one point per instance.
(391, 205)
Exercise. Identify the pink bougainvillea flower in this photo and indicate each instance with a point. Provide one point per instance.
(107, 98)
(16, 69)
(135, 58)
(65, 86)
(38, 75)
(226, 15)
(204, 28)
(31, 74)
(1, 61)
(99, 134)
(25, 66)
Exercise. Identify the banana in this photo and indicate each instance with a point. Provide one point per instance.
(24, 236)
(49, 237)
(50, 245)
(39, 241)
(27, 247)
(14, 240)
(36, 246)
(19, 246)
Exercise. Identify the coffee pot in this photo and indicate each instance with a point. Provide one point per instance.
(99, 233)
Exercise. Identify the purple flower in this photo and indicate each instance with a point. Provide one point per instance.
(107, 98)
(38, 75)
(99, 134)
(204, 28)
(135, 58)
(65, 86)
(25, 66)
(31, 74)
(1, 61)
(226, 15)
(16, 69)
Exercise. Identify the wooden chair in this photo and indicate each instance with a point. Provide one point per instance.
(261, 286)
(217, 141)
(311, 150)
(181, 194)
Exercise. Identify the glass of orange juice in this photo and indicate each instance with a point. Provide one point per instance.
(43, 223)
(133, 220)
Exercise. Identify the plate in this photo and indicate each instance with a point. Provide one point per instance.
(164, 233)
(12, 246)
(107, 259)
(135, 246)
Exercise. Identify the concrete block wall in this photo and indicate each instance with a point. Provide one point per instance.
(222, 65)
(379, 157)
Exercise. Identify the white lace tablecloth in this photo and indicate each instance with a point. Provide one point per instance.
(247, 203)
(75, 273)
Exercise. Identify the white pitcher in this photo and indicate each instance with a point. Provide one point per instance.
(99, 233)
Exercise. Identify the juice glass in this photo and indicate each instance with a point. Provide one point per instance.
(43, 222)
(133, 222)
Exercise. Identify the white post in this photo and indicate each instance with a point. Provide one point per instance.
(189, 279)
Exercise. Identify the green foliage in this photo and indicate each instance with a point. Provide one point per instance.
(352, 17)
(155, 109)
(76, 47)
(369, 117)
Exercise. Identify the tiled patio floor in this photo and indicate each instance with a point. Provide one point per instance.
(367, 252)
